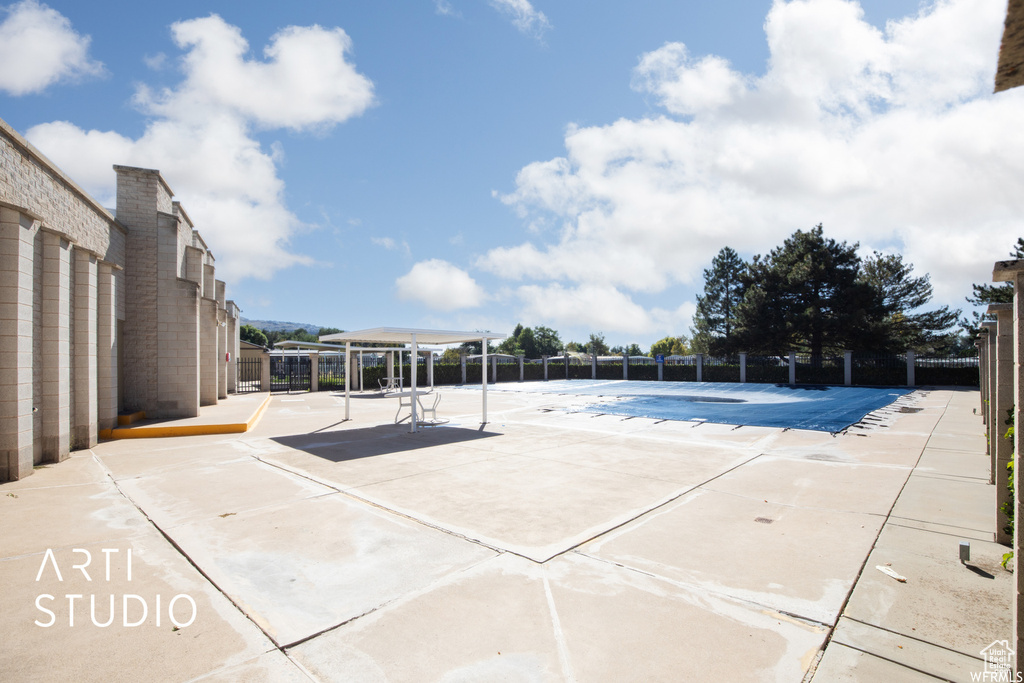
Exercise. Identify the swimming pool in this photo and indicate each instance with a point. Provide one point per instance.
(819, 408)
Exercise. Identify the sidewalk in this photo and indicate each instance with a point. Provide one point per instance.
(234, 415)
(934, 626)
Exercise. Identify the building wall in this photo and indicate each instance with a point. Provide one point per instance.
(97, 314)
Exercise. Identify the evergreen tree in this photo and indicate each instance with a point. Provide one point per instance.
(806, 295)
(715, 319)
(985, 294)
(900, 294)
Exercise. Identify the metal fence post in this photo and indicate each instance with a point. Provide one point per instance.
(792, 368)
(743, 367)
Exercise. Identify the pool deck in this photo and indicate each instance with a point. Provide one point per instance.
(545, 546)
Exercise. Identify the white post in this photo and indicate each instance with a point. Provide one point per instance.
(401, 371)
(348, 350)
(413, 372)
(483, 376)
(362, 375)
(430, 369)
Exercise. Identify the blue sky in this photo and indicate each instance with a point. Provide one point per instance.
(471, 164)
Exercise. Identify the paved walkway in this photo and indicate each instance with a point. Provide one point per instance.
(546, 546)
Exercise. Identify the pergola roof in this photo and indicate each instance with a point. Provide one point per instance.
(404, 335)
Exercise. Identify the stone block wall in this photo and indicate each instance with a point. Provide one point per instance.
(98, 314)
(58, 249)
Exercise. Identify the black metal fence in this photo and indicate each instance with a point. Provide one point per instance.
(331, 374)
(292, 373)
(289, 373)
(249, 375)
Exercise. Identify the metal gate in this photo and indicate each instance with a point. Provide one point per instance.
(250, 372)
(289, 373)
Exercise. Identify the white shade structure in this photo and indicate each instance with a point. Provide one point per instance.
(414, 337)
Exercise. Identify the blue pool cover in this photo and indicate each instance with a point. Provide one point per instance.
(820, 408)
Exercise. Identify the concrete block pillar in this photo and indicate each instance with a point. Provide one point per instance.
(625, 366)
(265, 371)
(430, 368)
(234, 337)
(56, 403)
(17, 231)
(565, 355)
(521, 376)
(792, 368)
(222, 342)
(700, 367)
(848, 368)
(208, 360)
(911, 360)
(462, 362)
(544, 361)
(389, 358)
(1002, 403)
(661, 371)
(314, 371)
(106, 344)
(981, 345)
(743, 367)
(1013, 271)
(593, 366)
(86, 428)
(494, 369)
(991, 334)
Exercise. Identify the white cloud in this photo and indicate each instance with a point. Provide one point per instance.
(200, 135)
(523, 16)
(445, 9)
(39, 47)
(888, 137)
(440, 286)
(597, 307)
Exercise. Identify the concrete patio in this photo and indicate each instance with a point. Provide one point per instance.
(545, 546)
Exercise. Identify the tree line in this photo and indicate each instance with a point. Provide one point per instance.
(815, 295)
(812, 295)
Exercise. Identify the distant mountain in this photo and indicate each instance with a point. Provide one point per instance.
(278, 326)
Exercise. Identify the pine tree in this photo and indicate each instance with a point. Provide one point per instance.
(985, 294)
(715, 318)
(806, 295)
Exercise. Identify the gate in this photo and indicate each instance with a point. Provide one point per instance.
(289, 373)
(249, 372)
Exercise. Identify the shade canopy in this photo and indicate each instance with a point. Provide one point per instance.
(404, 335)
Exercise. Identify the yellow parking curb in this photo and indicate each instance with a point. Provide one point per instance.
(164, 431)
